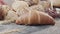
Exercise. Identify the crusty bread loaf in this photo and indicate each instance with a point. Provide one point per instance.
(19, 5)
(34, 18)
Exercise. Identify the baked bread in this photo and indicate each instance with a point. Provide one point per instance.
(19, 5)
(35, 18)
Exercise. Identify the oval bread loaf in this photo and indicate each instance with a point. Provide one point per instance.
(34, 18)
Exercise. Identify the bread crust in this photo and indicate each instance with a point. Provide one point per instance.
(34, 18)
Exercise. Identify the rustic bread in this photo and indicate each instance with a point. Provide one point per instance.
(34, 18)
(19, 5)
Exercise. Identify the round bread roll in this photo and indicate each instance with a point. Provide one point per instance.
(19, 5)
(35, 18)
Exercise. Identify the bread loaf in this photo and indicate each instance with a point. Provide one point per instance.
(19, 5)
(34, 18)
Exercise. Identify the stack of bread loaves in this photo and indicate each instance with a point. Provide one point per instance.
(27, 13)
(31, 16)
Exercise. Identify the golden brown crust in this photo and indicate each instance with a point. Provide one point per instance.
(34, 18)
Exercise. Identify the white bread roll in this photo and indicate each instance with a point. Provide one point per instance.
(35, 18)
(19, 5)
